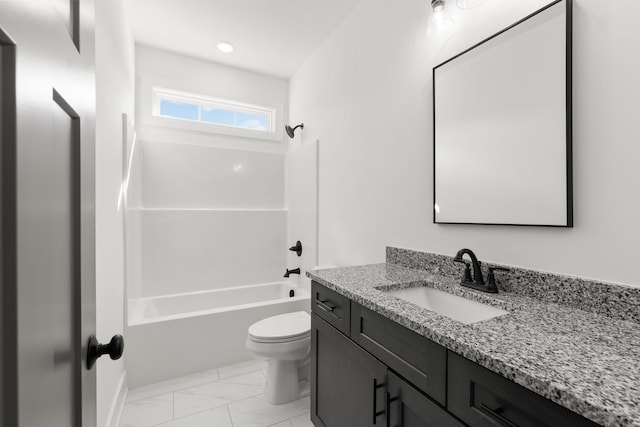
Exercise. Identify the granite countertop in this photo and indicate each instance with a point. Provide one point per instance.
(584, 361)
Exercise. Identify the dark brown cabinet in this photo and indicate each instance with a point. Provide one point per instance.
(407, 407)
(482, 398)
(367, 370)
(420, 361)
(347, 383)
(332, 307)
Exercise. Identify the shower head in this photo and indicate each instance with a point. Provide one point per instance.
(291, 131)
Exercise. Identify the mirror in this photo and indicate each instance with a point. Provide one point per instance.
(502, 126)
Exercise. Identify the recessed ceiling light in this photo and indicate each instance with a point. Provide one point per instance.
(225, 47)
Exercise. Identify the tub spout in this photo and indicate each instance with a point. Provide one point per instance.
(290, 272)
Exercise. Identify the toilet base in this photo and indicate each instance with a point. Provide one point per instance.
(283, 383)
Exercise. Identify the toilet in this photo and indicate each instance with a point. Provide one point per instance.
(284, 341)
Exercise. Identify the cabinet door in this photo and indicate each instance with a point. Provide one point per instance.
(417, 359)
(407, 407)
(347, 383)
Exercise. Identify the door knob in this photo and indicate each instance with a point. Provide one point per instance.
(114, 349)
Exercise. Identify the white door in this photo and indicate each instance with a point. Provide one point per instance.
(47, 89)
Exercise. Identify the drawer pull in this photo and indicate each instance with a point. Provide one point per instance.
(495, 415)
(326, 306)
(376, 413)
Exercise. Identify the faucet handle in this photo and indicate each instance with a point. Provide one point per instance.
(467, 273)
(491, 277)
(467, 270)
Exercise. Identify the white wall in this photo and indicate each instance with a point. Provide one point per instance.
(179, 72)
(197, 250)
(115, 96)
(207, 210)
(209, 218)
(366, 95)
(204, 217)
(193, 176)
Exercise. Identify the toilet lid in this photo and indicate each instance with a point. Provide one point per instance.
(289, 326)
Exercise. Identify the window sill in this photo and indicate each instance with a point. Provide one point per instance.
(212, 128)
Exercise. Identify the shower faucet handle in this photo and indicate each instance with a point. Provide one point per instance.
(297, 248)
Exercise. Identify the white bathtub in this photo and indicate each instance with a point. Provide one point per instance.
(175, 335)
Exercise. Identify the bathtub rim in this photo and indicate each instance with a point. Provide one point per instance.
(300, 294)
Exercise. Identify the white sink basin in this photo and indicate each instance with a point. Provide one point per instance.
(452, 306)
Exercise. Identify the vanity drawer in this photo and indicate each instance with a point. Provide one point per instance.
(481, 398)
(417, 359)
(334, 308)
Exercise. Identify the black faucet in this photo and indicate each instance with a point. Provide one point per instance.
(477, 270)
(294, 271)
(477, 282)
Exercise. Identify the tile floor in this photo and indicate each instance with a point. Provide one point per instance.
(224, 397)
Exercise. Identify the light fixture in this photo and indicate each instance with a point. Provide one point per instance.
(440, 19)
(469, 4)
(225, 47)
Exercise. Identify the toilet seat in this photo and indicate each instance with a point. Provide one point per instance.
(281, 328)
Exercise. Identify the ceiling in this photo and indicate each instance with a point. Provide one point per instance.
(270, 36)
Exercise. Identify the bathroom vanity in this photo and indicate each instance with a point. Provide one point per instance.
(378, 360)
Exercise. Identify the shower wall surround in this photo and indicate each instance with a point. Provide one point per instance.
(210, 243)
(209, 218)
(206, 210)
(201, 177)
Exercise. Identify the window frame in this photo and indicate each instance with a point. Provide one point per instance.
(150, 126)
(202, 101)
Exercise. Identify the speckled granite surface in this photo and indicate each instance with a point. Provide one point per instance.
(581, 360)
(616, 301)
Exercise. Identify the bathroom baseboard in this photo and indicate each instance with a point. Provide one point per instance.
(118, 402)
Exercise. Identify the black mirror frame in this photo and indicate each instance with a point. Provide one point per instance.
(569, 114)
